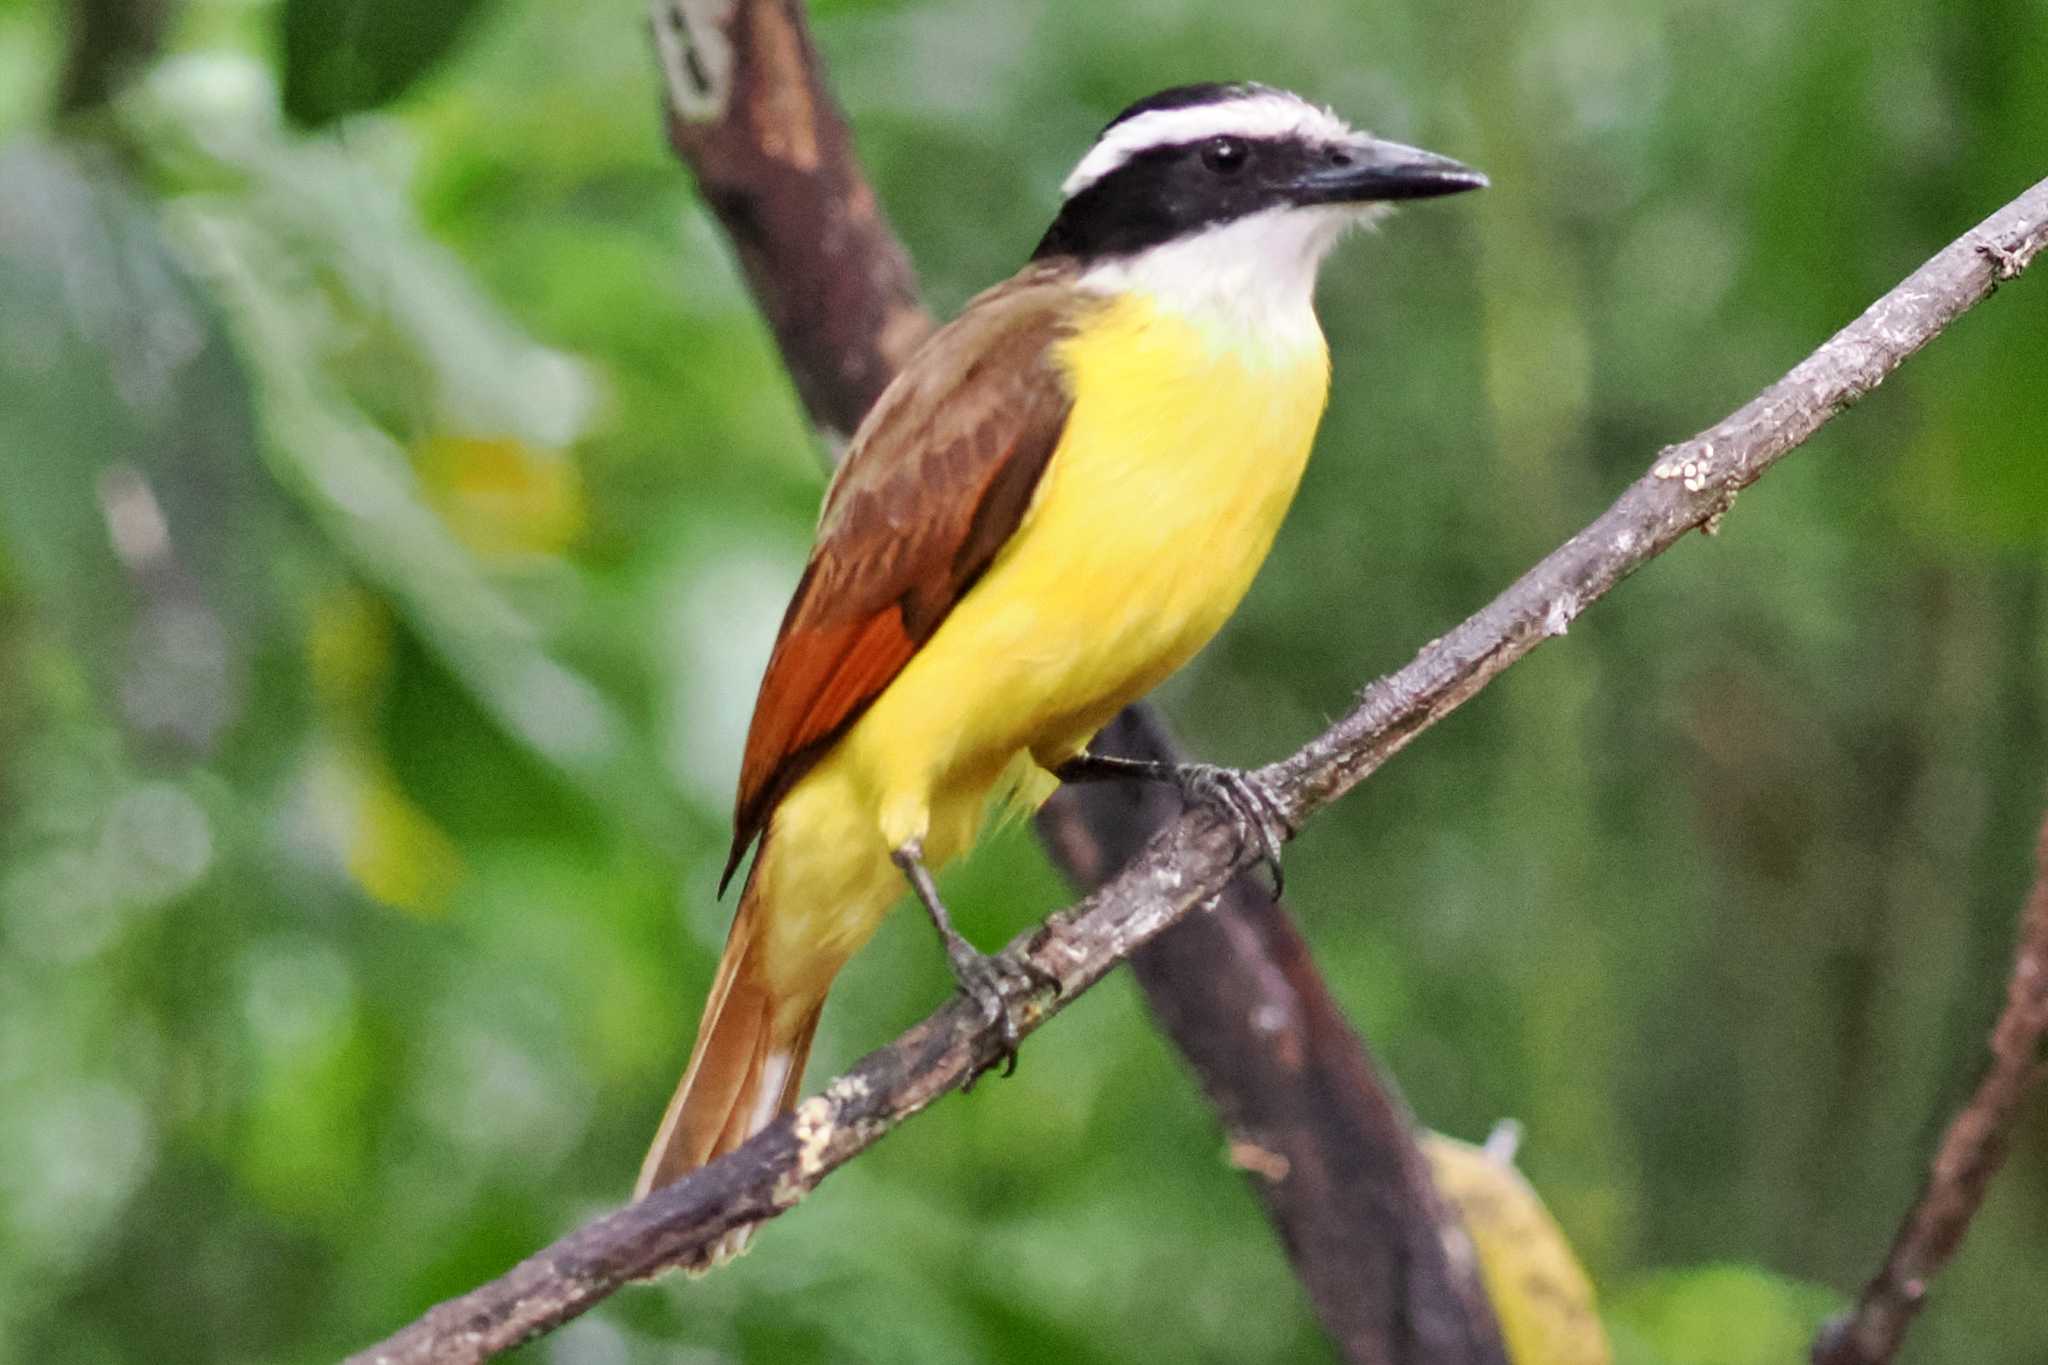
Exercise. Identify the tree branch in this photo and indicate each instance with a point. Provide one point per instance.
(1971, 1152)
(1689, 486)
(1318, 1129)
(750, 112)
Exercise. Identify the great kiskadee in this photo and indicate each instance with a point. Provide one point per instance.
(1056, 503)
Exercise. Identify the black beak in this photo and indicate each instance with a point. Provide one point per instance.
(1368, 170)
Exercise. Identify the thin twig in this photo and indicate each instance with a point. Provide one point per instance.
(1688, 487)
(751, 113)
(1971, 1152)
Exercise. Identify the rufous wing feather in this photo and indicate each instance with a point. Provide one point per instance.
(940, 475)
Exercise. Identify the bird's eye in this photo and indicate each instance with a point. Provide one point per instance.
(1225, 155)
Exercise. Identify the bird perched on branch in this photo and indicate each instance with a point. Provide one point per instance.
(1055, 504)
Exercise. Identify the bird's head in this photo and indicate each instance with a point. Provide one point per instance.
(1207, 178)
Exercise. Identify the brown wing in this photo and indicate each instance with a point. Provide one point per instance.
(939, 476)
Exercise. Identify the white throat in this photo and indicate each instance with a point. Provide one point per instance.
(1249, 283)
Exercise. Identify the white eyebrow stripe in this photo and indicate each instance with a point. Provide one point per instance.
(1265, 115)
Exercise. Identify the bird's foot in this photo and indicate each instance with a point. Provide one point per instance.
(1251, 810)
(1243, 800)
(988, 979)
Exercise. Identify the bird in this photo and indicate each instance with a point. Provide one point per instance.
(1057, 501)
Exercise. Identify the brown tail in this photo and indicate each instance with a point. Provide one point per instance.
(746, 1070)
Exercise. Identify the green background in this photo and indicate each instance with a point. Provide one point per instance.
(397, 499)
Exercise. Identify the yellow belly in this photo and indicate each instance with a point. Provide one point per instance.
(1180, 458)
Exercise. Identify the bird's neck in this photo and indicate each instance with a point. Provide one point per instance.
(1247, 286)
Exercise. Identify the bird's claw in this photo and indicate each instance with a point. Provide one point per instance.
(989, 980)
(1243, 800)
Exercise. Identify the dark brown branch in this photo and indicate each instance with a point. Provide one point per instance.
(750, 112)
(1688, 487)
(1971, 1152)
(1317, 1128)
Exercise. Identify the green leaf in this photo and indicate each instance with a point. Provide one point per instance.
(1718, 1315)
(345, 56)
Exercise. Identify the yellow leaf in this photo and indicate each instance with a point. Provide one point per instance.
(391, 848)
(348, 649)
(1539, 1291)
(503, 498)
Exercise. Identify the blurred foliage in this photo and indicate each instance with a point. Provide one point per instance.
(394, 518)
(345, 56)
(1721, 1315)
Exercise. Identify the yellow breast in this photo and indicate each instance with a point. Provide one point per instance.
(1182, 452)
(1179, 462)
(1179, 459)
